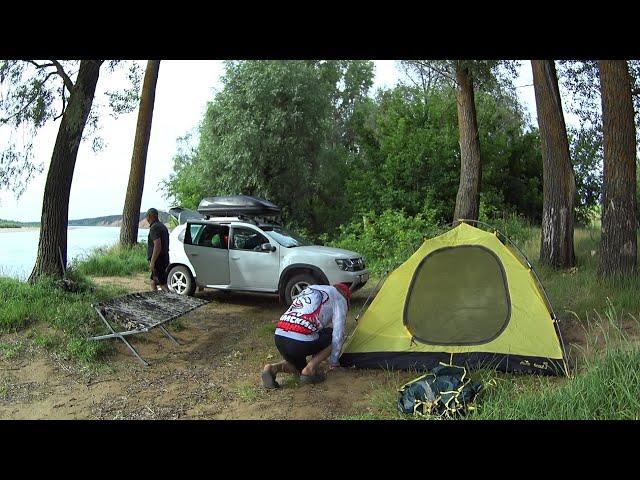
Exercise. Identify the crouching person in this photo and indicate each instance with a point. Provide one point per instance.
(313, 326)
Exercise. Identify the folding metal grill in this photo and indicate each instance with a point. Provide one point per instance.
(142, 312)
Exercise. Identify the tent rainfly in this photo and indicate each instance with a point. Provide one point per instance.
(463, 298)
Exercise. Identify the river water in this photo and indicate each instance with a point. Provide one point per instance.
(18, 248)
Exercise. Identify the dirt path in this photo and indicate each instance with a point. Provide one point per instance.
(214, 373)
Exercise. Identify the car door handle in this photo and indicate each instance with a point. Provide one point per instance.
(193, 254)
(235, 258)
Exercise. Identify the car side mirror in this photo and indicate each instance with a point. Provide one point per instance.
(267, 247)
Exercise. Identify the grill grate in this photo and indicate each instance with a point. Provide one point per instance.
(142, 311)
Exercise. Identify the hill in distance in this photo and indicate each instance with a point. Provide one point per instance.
(105, 221)
(115, 220)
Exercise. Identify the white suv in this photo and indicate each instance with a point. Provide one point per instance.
(243, 254)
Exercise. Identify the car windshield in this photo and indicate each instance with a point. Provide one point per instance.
(285, 238)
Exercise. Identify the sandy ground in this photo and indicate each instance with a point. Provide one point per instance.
(213, 374)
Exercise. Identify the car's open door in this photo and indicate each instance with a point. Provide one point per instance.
(207, 247)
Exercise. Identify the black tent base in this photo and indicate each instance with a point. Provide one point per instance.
(475, 360)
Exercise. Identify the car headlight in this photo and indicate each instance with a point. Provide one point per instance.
(344, 264)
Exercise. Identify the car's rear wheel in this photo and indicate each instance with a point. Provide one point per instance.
(181, 281)
(295, 285)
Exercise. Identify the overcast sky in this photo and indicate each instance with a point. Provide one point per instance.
(184, 87)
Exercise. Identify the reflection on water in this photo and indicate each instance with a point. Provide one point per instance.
(18, 249)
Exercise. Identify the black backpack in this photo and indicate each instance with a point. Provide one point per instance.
(446, 391)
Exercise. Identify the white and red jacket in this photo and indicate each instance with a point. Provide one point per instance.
(317, 307)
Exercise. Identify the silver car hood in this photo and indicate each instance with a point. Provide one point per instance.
(328, 251)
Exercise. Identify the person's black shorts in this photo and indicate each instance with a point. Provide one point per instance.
(160, 270)
(296, 351)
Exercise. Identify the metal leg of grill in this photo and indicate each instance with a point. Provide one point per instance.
(166, 332)
(117, 335)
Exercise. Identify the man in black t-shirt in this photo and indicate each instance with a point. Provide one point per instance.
(157, 250)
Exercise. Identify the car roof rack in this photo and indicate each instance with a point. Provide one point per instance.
(258, 221)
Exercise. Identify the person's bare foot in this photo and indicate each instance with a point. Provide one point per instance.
(269, 378)
(309, 370)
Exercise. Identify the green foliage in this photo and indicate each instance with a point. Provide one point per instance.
(581, 79)
(488, 75)
(587, 156)
(409, 154)
(45, 304)
(388, 239)
(114, 261)
(304, 135)
(36, 93)
(514, 226)
(278, 130)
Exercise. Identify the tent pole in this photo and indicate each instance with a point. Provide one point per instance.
(369, 297)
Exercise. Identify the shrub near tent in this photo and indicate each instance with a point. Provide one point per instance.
(464, 298)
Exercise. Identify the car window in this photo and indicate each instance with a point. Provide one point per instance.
(213, 236)
(195, 228)
(247, 239)
(286, 238)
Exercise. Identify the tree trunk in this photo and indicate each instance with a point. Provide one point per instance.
(55, 203)
(556, 244)
(468, 197)
(133, 200)
(618, 249)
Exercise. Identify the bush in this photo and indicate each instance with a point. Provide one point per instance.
(388, 239)
(514, 226)
(114, 261)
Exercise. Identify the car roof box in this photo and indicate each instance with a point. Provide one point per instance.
(234, 205)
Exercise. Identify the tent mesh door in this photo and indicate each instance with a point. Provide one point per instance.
(458, 296)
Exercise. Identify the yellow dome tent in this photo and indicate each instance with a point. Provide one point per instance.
(466, 298)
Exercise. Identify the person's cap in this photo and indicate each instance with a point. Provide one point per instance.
(343, 288)
(152, 211)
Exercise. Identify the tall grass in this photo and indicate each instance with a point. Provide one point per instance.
(114, 261)
(606, 387)
(68, 315)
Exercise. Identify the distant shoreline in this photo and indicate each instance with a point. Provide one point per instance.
(20, 229)
(70, 227)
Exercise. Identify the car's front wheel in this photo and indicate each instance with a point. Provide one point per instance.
(181, 281)
(296, 285)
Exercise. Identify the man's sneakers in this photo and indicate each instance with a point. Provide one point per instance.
(269, 380)
(316, 378)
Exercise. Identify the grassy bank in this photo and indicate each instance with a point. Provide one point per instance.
(60, 320)
(607, 389)
(114, 261)
(54, 318)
